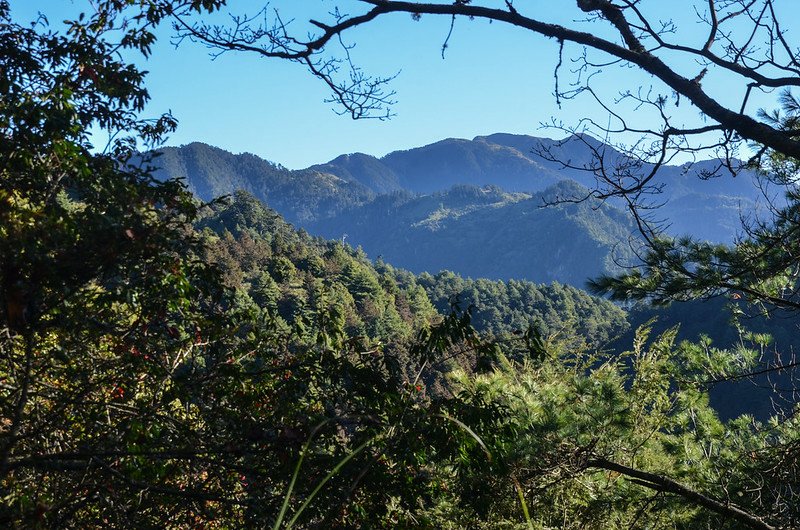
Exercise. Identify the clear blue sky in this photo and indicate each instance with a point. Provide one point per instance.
(494, 78)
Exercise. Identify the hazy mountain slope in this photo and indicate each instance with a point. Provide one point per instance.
(488, 233)
(691, 203)
(554, 155)
(478, 232)
(577, 151)
(299, 196)
(709, 208)
(367, 170)
(441, 165)
(700, 320)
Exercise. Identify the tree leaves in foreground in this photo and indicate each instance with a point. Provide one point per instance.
(138, 390)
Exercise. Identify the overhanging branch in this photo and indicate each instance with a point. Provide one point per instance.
(660, 483)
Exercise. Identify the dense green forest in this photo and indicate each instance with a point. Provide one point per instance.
(172, 363)
(276, 268)
(290, 275)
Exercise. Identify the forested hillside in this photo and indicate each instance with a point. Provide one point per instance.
(290, 273)
(169, 362)
(508, 307)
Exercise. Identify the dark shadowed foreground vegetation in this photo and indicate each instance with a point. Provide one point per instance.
(165, 364)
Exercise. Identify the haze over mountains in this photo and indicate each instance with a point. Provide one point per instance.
(489, 233)
(473, 206)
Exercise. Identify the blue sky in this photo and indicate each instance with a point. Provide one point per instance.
(493, 78)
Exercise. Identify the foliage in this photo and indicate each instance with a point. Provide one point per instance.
(558, 428)
(727, 323)
(566, 314)
(291, 275)
(169, 365)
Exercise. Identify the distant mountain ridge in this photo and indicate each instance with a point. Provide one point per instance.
(300, 196)
(439, 166)
(513, 162)
(473, 206)
(706, 207)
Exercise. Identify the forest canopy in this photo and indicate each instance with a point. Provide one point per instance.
(171, 364)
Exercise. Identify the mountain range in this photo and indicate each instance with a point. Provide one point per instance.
(691, 201)
(474, 206)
